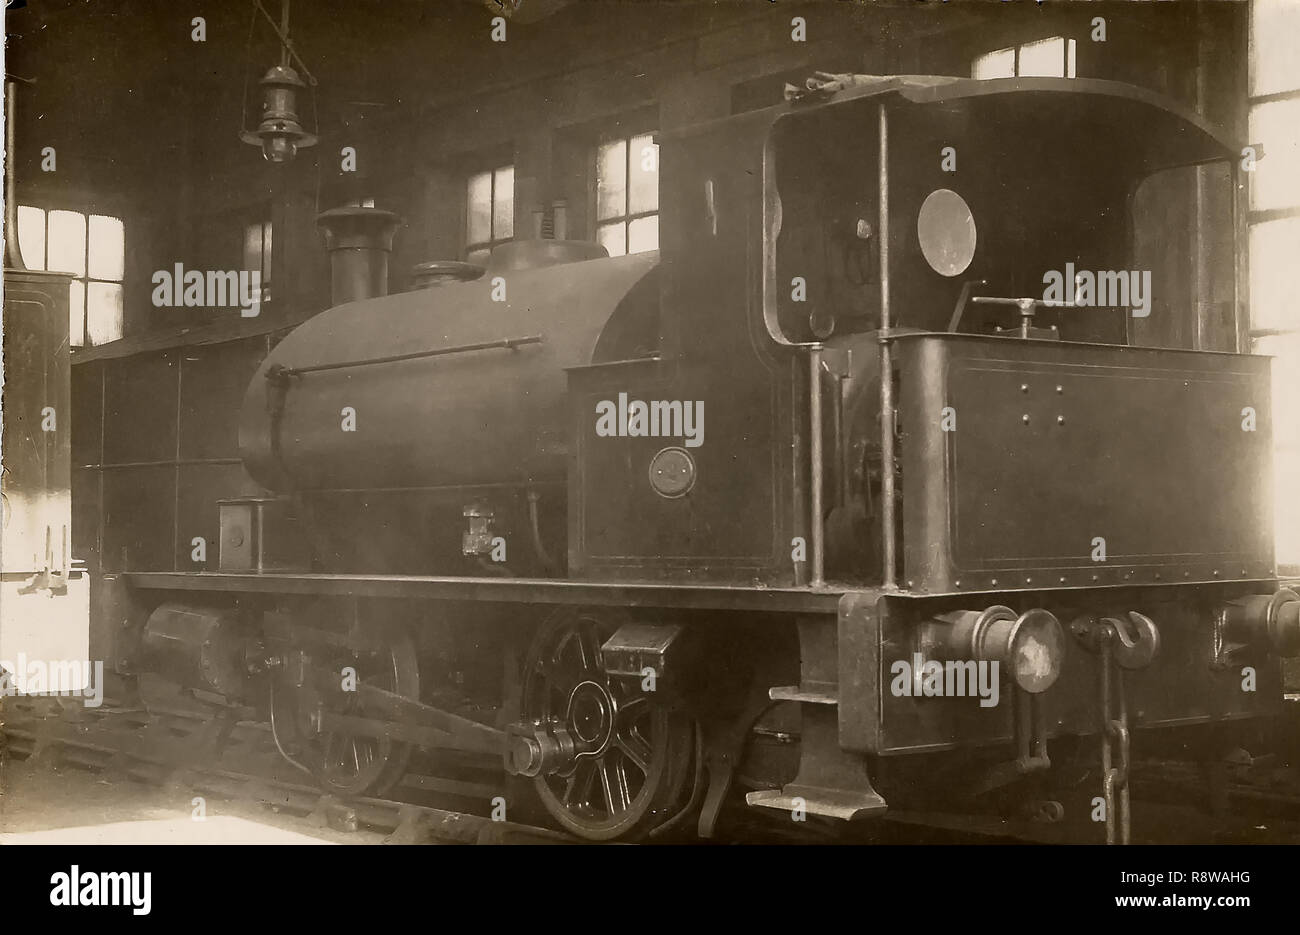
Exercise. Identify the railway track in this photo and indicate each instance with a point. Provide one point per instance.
(167, 738)
(448, 797)
(238, 761)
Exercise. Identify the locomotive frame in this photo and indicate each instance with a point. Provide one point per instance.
(768, 631)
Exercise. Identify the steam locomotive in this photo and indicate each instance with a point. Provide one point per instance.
(945, 546)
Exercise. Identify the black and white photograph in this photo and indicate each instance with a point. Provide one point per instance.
(683, 423)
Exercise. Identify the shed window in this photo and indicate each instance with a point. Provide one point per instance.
(489, 212)
(627, 195)
(1053, 57)
(92, 248)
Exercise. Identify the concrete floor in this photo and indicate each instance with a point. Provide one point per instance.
(46, 805)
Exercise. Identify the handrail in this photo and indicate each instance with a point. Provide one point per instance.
(279, 372)
(278, 380)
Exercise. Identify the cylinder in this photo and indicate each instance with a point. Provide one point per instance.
(197, 647)
(359, 241)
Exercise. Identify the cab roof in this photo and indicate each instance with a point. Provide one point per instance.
(1158, 131)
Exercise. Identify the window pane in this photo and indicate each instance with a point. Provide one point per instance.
(77, 314)
(1071, 71)
(68, 242)
(643, 234)
(1043, 59)
(253, 247)
(1286, 521)
(266, 253)
(999, 64)
(1274, 246)
(643, 192)
(1285, 351)
(613, 237)
(1275, 183)
(611, 180)
(478, 208)
(107, 248)
(503, 205)
(31, 236)
(104, 311)
(1274, 33)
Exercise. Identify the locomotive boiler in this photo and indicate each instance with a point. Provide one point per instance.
(947, 543)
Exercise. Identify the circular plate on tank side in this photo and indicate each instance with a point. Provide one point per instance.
(672, 472)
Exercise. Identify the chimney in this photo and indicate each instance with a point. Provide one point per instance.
(359, 241)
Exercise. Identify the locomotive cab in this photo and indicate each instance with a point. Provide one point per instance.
(1011, 212)
(992, 185)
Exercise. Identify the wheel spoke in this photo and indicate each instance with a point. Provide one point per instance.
(624, 791)
(327, 755)
(613, 782)
(579, 784)
(567, 664)
(633, 707)
(590, 647)
(636, 749)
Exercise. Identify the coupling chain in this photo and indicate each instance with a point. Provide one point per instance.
(1114, 744)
